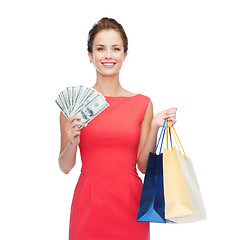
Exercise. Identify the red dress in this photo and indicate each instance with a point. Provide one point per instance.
(107, 194)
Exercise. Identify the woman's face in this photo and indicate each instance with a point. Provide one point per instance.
(107, 52)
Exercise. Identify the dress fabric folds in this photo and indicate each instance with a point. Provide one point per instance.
(106, 197)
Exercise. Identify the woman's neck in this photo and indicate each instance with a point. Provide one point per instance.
(108, 85)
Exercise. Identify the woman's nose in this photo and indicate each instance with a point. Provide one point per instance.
(108, 54)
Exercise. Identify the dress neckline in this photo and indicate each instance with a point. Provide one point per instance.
(121, 96)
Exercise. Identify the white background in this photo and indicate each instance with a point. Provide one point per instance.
(179, 55)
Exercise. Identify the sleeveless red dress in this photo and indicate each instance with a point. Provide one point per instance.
(107, 194)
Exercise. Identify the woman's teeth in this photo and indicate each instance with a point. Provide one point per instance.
(108, 64)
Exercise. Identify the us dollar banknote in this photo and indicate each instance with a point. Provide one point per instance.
(90, 110)
(83, 101)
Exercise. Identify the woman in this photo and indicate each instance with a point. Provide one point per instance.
(106, 197)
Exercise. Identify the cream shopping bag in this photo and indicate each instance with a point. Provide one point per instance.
(178, 201)
(183, 201)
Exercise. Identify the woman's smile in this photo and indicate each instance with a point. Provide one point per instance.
(108, 64)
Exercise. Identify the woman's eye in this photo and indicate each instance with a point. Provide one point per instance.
(100, 49)
(116, 49)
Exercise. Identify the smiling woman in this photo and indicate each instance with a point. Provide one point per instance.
(107, 53)
(106, 197)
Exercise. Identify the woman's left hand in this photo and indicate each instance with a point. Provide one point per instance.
(169, 114)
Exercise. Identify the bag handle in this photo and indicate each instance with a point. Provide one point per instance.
(165, 128)
(176, 138)
(161, 137)
(169, 135)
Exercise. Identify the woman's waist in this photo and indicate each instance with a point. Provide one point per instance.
(108, 171)
(105, 154)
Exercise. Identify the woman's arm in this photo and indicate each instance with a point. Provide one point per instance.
(149, 130)
(147, 141)
(70, 138)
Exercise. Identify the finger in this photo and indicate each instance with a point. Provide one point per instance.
(172, 121)
(75, 117)
(72, 130)
(170, 115)
(76, 123)
(171, 110)
(171, 118)
(75, 134)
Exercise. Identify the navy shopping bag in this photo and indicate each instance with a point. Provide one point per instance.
(152, 204)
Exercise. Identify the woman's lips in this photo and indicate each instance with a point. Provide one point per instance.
(108, 64)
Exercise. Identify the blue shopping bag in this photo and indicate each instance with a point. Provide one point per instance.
(152, 204)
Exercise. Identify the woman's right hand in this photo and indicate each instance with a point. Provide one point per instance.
(72, 130)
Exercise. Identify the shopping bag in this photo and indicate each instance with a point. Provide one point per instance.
(152, 206)
(183, 200)
(177, 198)
(199, 212)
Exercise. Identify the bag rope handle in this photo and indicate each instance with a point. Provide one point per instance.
(176, 136)
(162, 132)
(170, 134)
(166, 126)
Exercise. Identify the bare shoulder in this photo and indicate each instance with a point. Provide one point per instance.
(149, 111)
(145, 127)
(126, 93)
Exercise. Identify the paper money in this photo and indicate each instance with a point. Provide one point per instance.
(83, 101)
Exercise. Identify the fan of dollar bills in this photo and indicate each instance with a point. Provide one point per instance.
(83, 101)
